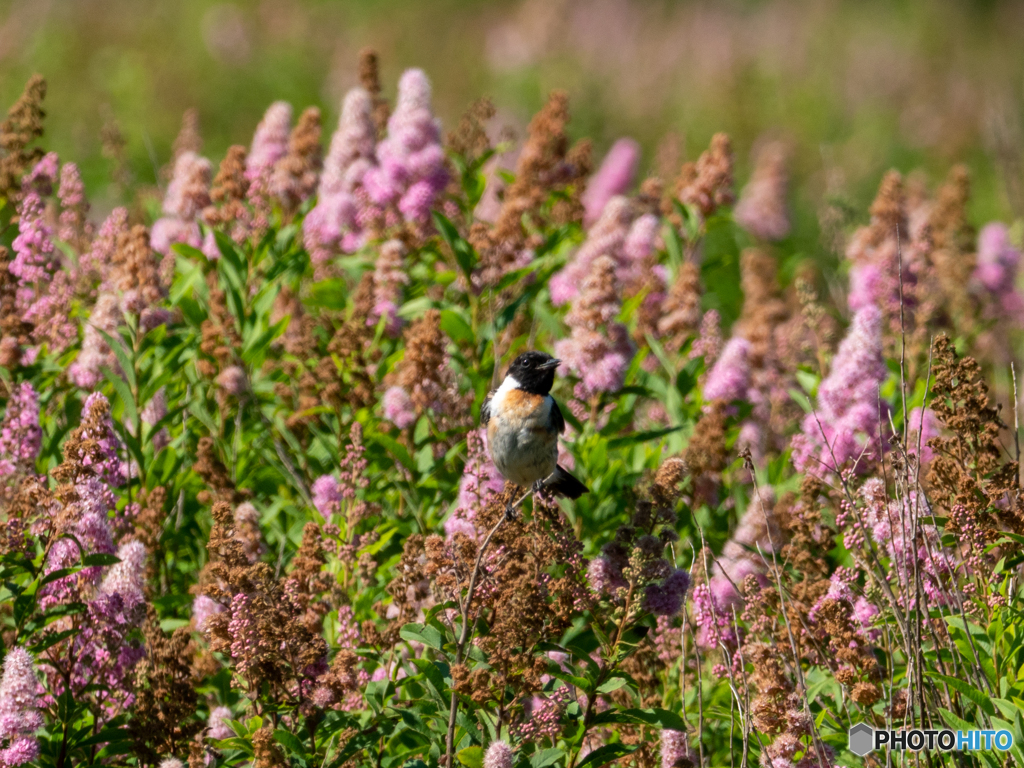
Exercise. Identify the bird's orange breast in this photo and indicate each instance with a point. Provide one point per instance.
(518, 404)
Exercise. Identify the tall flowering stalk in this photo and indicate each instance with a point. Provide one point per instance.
(707, 184)
(996, 272)
(187, 195)
(912, 545)
(369, 187)
(598, 350)
(846, 425)
(674, 748)
(389, 279)
(747, 553)
(761, 209)
(425, 380)
(333, 226)
(897, 273)
(613, 177)
(269, 145)
(297, 174)
(605, 239)
(729, 378)
(96, 263)
(681, 314)
(411, 170)
(96, 353)
(74, 226)
(19, 709)
(480, 483)
(44, 290)
(20, 434)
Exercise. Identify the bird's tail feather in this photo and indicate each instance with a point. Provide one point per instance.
(564, 484)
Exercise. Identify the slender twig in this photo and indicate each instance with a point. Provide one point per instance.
(1016, 424)
(776, 572)
(868, 542)
(464, 636)
(903, 334)
(290, 468)
(605, 674)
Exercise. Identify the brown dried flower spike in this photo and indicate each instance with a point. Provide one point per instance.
(23, 125)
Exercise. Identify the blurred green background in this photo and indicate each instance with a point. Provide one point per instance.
(858, 86)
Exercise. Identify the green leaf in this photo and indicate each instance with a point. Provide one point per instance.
(422, 431)
(50, 640)
(290, 741)
(612, 685)
(434, 675)
(238, 727)
(455, 325)
(673, 245)
(330, 294)
(654, 716)
(412, 719)
(117, 347)
(259, 342)
(376, 692)
(967, 690)
(546, 757)
(415, 308)
(60, 573)
(809, 381)
(1008, 708)
(190, 253)
(425, 460)
(801, 399)
(556, 672)
(955, 722)
(426, 635)
(513, 278)
(607, 753)
(109, 735)
(230, 252)
(464, 253)
(123, 394)
(188, 281)
(192, 310)
(99, 558)
(471, 757)
(395, 448)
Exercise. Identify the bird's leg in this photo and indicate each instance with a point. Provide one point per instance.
(512, 508)
(540, 485)
(511, 511)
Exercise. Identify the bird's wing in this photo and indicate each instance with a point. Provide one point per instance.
(557, 420)
(485, 409)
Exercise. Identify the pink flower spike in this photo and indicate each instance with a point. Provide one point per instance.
(614, 177)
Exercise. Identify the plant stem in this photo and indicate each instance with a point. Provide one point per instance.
(464, 635)
(606, 672)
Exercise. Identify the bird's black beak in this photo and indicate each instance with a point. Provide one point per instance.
(547, 366)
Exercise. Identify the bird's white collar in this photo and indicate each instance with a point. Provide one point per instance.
(508, 385)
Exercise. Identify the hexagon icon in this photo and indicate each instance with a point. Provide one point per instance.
(862, 738)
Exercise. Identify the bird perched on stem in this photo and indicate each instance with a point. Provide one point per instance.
(523, 424)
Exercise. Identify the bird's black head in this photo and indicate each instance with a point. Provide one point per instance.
(535, 372)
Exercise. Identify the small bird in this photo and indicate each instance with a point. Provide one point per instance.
(523, 424)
